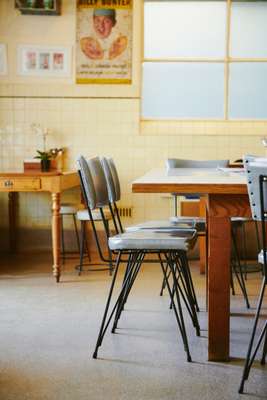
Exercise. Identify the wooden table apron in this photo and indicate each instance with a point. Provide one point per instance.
(54, 183)
(223, 201)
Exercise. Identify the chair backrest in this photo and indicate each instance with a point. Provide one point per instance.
(114, 191)
(94, 187)
(99, 182)
(87, 182)
(256, 170)
(109, 180)
(115, 177)
(180, 163)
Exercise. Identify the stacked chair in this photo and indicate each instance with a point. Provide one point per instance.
(167, 246)
(236, 222)
(84, 218)
(256, 171)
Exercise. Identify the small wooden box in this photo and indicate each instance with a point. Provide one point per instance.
(35, 165)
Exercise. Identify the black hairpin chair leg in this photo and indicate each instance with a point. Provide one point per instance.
(251, 356)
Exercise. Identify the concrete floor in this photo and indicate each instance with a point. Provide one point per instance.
(48, 332)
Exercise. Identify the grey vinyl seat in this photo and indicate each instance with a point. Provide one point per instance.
(154, 240)
(256, 172)
(132, 248)
(163, 225)
(83, 215)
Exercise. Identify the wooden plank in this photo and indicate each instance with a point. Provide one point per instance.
(186, 188)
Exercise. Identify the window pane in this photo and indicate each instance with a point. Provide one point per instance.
(182, 90)
(249, 29)
(248, 91)
(184, 29)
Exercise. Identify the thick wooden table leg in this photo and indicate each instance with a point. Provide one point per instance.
(12, 214)
(56, 234)
(218, 283)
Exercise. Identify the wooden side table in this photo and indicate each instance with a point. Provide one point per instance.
(52, 182)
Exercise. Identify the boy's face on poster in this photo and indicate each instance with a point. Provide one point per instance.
(103, 25)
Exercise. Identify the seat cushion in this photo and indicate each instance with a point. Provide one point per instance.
(198, 223)
(163, 225)
(83, 215)
(68, 208)
(154, 240)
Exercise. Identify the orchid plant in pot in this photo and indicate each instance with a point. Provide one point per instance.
(44, 155)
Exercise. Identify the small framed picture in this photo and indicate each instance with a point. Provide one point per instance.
(3, 59)
(44, 61)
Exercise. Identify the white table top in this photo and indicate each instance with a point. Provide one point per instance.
(192, 180)
(225, 176)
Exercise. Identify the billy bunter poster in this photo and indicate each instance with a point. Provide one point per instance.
(104, 41)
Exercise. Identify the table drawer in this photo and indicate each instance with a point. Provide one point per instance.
(19, 184)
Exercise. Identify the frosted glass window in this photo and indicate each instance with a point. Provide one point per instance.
(248, 91)
(184, 29)
(183, 90)
(249, 30)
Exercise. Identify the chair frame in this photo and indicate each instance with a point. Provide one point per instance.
(105, 260)
(134, 259)
(113, 185)
(251, 354)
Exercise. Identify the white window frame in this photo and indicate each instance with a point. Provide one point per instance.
(227, 60)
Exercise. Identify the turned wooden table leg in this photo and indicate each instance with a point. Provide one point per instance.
(218, 285)
(12, 214)
(56, 234)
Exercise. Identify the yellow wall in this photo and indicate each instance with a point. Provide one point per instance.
(102, 123)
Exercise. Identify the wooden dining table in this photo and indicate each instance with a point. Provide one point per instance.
(225, 194)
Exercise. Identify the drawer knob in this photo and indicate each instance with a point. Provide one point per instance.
(8, 183)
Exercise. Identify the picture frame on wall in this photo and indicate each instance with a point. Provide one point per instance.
(104, 36)
(44, 61)
(39, 7)
(3, 59)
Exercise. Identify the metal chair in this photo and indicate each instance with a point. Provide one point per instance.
(114, 192)
(256, 171)
(84, 218)
(133, 247)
